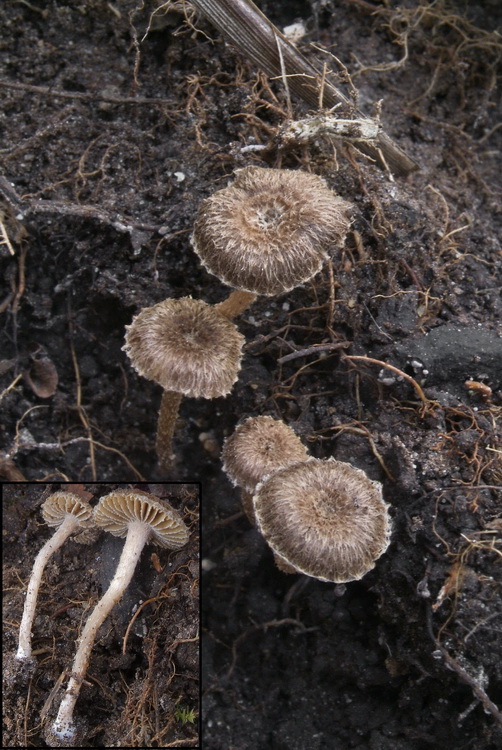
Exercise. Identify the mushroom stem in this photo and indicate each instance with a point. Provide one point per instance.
(247, 506)
(137, 536)
(54, 543)
(236, 302)
(168, 412)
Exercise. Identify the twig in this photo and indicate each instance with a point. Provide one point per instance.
(133, 619)
(314, 350)
(264, 626)
(19, 446)
(404, 375)
(82, 96)
(27, 208)
(258, 39)
(463, 674)
(78, 396)
(4, 238)
(11, 386)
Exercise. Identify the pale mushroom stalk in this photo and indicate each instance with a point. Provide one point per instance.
(50, 547)
(137, 536)
(68, 512)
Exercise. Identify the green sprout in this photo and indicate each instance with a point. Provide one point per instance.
(185, 715)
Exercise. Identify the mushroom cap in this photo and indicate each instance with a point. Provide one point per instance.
(186, 346)
(61, 504)
(258, 447)
(270, 230)
(325, 518)
(118, 509)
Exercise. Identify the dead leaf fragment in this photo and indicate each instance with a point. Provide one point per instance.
(42, 377)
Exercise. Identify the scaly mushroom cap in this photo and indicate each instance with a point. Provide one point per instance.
(62, 504)
(259, 446)
(118, 509)
(271, 230)
(325, 518)
(186, 346)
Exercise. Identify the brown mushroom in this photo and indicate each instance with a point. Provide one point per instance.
(325, 518)
(69, 513)
(141, 518)
(269, 231)
(258, 447)
(190, 349)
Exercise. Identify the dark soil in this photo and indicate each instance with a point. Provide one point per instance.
(142, 680)
(111, 137)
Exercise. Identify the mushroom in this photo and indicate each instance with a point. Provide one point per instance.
(190, 349)
(325, 518)
(69, 513)
(268, 232)
(258, 447)
(141, 518)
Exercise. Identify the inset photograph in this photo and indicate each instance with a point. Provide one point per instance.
(101, 614)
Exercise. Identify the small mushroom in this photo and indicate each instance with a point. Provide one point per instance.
(268, 232)
(325, 518)
(141, 518)
(190, 349)
(258, 447)
(69, 513)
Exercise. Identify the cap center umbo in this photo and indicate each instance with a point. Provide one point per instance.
(266, 213)
(332, 506)
(195, 334)
(269, 218)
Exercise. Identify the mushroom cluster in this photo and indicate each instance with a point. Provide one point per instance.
(259, 446)
(324, 518)
(131, 513)
(268, 232)
(140, 518)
